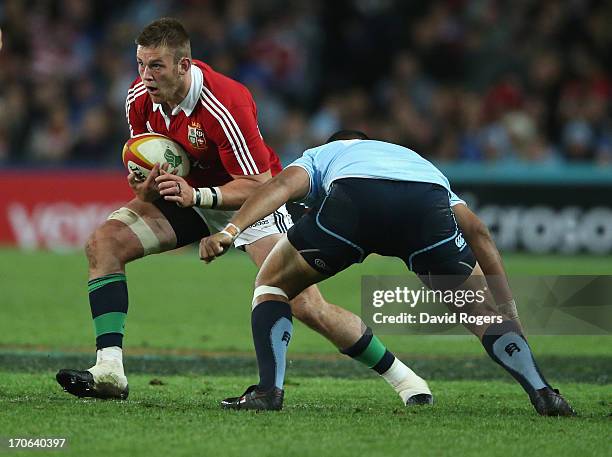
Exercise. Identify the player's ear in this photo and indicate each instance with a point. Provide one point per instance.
(184, 65)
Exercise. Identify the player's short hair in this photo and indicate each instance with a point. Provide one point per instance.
(347, 135)
(166, 32)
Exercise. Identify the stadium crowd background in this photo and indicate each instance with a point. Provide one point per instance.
(456, 80)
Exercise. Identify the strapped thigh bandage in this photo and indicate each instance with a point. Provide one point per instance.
(262, 290)
(144, 233)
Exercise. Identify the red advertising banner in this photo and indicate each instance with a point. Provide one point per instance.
(57, 210)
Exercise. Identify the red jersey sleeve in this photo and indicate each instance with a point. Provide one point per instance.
(241, 147)
(135, 118)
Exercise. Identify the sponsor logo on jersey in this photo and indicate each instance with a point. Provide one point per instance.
(195, 135)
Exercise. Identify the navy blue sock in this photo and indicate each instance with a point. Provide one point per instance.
(508, 347)
(272, 327)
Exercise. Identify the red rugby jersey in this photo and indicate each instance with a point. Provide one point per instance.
(216, 124)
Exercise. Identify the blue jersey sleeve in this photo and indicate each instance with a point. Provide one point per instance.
(454, 199)
(307, 162)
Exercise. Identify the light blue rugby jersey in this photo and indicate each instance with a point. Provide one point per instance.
(366, 159)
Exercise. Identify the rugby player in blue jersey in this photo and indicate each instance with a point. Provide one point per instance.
(375, 197)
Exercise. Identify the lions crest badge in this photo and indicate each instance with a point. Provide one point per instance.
(195, 135)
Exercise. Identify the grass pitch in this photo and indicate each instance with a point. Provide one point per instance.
(178, 415)
(177, 302)
(188, 328)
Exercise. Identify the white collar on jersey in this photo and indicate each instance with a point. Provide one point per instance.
(193, 96)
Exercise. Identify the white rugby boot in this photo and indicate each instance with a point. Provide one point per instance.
(412, 389)
(106, 379)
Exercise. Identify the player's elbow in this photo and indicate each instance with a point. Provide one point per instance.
(479, 237)
(481, 230)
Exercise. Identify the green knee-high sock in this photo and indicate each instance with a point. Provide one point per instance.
(108, 298)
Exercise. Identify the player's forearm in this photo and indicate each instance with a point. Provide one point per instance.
(236, 192)
(480, 241)
(490, 262)
(269, 197)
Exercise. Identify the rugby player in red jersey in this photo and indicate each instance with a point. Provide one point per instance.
(214, 118)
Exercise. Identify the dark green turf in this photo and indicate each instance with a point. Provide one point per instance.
(590, 369)
(176, 301)
(322, 417)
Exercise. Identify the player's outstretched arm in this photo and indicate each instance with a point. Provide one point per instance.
(292, 183)
(480, 241)
(236, 192)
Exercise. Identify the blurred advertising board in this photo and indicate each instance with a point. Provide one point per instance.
(545, 219)
(525, 211)
(57, 209)
(541, 209)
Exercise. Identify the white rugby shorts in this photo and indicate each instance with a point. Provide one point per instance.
(278, 222)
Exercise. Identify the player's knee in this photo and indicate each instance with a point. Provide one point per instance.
(264, 278)
(125, 236)
(102, 247)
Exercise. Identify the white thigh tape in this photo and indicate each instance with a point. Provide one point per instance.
(261, 290)
(147, 237)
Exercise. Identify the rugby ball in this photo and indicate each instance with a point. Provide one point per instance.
(141, 152)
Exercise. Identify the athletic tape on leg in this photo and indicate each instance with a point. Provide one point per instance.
(262, 290)
(144, 233)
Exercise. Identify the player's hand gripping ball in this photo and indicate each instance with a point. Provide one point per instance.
(141, 152)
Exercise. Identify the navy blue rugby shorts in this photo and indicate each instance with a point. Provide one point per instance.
(409, 220)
